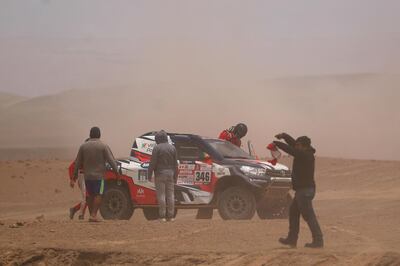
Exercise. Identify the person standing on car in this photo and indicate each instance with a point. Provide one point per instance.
(92, 158)
(234, 134)
(164, 165)
(304, 186)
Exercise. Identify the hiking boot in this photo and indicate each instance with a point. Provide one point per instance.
(315, 244)
(72, 212)
(288, 242)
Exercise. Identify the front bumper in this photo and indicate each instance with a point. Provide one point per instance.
(274, 186)
(274, 180)
(284, 182)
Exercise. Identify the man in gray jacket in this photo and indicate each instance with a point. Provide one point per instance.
(164, 164)
(92, 158)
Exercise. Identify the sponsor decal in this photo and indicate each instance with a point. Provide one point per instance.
(194, 174)
(142, 176)
(190, 167)
(148, 147)
(221, 171)
(186, 180)
(185, 172)
(140, 193)
(145, 146)
(205, 167)
(145, 165)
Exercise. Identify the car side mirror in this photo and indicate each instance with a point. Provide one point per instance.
(119, 165)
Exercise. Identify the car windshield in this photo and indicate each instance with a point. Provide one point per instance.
(228, 150)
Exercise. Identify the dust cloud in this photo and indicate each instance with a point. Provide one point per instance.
(351, 116)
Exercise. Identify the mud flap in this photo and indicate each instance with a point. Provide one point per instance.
(205, 213)
(274, 208)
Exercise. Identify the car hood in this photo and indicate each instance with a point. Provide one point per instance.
(256, 163)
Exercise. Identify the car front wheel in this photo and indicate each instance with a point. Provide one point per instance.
(116, 204)
(236, 203)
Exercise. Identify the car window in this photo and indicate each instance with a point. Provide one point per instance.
(189, 152)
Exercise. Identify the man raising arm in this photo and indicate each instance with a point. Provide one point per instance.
(304, 187)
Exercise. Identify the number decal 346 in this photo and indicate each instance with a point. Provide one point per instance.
(203, 177)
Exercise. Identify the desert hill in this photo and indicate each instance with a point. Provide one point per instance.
(7, 99)
(354, 116)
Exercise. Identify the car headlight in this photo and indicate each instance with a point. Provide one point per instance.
(253, 171)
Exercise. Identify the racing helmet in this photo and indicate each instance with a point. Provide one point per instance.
(240, 130)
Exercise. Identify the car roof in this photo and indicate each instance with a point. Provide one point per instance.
(153, 133)
(181, 136)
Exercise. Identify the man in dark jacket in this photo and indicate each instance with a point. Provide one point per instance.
(164, 164)
(304, 186)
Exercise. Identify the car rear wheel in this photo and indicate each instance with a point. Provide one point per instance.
(274, 208)
(236, 203)
(116, 204)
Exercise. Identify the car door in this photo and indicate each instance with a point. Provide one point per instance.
(195, 167)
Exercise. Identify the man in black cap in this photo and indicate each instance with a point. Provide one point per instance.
(304, 186)
(92, 158)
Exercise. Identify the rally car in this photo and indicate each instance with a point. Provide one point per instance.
(213, 174)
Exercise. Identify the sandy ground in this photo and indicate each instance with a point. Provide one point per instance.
(358, 205)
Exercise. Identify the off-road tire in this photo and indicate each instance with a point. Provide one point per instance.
(236, 203)
(116, 204)
(274, 208)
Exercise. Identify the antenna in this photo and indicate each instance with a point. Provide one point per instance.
(252, 151)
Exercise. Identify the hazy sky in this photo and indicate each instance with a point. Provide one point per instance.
(209, 60)
(49, 46)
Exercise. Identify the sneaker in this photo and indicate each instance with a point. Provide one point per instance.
(72, 213)
(162, 220)
(171, 219)
(315, 244)
(288, 242)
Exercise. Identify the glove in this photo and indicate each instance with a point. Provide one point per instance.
(275, 153)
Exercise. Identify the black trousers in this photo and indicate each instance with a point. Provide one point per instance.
(302, 205)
